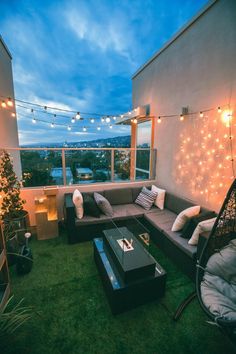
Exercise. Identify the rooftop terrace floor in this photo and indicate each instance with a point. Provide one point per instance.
(72, 314)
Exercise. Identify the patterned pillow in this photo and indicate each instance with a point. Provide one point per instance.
(146, 198)
(103, 204)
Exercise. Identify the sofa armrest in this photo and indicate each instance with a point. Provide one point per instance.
(201, 243)
(69, 216)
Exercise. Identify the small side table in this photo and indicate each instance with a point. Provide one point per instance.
(46, 214)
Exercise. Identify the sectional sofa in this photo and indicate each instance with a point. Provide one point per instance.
(159, 222)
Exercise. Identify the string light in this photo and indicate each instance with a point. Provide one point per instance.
(84, 129)
(219, 109)
(13, 114)
(3, 104)
(92, 120)
(114, 118)
(34, 120)
(110, 126)
(73, 120)
(52, 125)
(201, 114)
(129, 112)
(135, 121)
(78, 116)
(102, 119)
(181, 117)
(159, 120)
(108, 119)
(98, 128)
(9, 102)
(69, 127)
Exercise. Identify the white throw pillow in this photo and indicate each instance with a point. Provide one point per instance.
(78, 202)
(183, 217)
(160, 199)
(202, 226)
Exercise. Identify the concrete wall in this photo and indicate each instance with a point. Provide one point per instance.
(198, 70)
(8, 124)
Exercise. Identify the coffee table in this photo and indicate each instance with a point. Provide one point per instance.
(130, 275)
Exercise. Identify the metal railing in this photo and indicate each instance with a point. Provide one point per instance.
(67, 166)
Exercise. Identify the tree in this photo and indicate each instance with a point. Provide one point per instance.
(12, 204)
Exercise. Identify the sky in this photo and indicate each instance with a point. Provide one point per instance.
(81, 55)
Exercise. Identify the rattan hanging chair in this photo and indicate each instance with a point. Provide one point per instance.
(216, 269)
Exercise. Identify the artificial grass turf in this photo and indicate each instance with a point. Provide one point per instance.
(71, 313)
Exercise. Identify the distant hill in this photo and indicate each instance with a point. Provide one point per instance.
(118, 141)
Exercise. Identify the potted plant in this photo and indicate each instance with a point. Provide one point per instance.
(12, 213)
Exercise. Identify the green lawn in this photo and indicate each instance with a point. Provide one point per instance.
(72, 314)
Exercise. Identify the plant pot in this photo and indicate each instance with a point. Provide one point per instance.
(12, 247)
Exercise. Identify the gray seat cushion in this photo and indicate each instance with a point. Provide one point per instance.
(159, 217)
(127, 211)
(119, 196)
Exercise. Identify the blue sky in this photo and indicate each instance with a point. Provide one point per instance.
(81, 55)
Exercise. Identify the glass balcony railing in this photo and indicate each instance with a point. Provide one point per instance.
(67, 166)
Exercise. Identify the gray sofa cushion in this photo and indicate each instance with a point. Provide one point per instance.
(176, 204)
(160, 217)
(135, 192)
(127, 211)
(119, 196)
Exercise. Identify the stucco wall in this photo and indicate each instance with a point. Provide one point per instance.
(197, 70)
(8, 131)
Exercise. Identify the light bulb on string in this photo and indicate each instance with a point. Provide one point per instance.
(219, 109)
(92, 120)
(108, 119)
(84, 129)
(122, 116)
(9, 102)
(201, 114)
(110, 126)
(98, 128)
(34, 120)
(52, 125)
(69, 127)
(78, 116)
(135, 121)
(3, 104)
(102, 119)
(159, 120)
(114, 118)
(181, 117)
(72, 120)
(13, 114)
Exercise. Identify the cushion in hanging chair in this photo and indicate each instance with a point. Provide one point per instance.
(218, 287)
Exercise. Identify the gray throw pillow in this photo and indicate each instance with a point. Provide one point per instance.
(103, 204)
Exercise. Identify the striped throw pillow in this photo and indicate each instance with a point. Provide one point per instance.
(146, 198)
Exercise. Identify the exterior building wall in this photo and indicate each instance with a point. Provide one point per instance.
(196, 69)
(8, 131)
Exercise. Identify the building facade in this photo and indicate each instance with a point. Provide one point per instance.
(196, 69)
